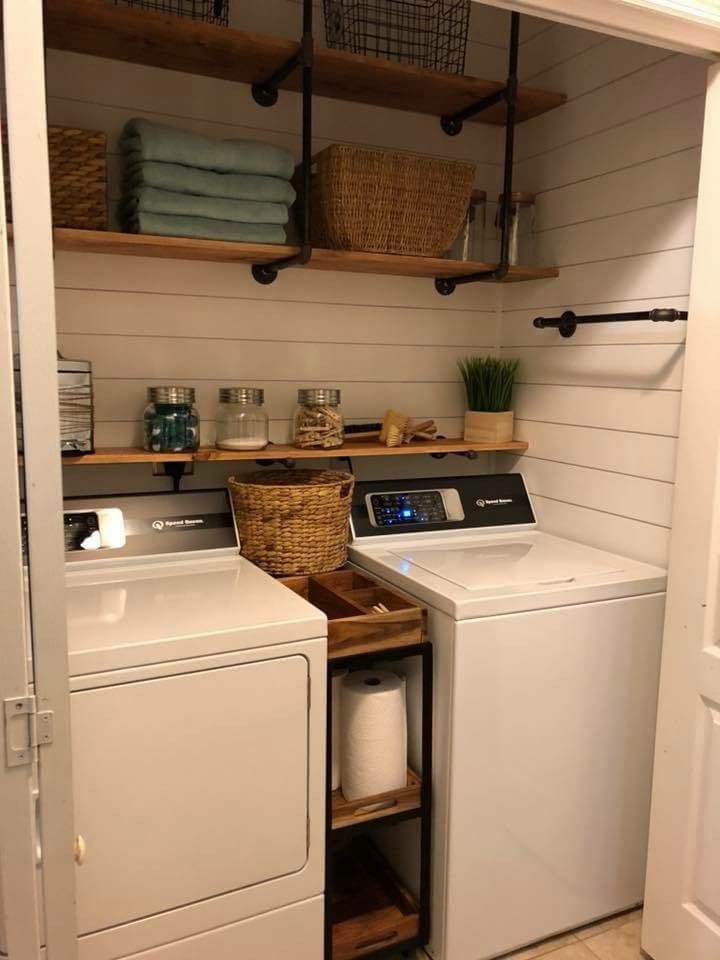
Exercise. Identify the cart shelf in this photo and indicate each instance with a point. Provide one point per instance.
(350, 813)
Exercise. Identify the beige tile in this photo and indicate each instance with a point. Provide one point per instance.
(593, 929)
(548, 948)
(620, 943)
(573, 950)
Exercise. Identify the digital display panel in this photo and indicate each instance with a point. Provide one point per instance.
(397, 509)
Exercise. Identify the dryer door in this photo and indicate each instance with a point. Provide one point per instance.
(189, 786)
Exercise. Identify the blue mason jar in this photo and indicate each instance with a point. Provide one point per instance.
(171, 422)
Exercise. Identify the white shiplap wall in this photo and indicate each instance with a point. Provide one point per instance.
(384, 341)
(616, 175)
(616, 172)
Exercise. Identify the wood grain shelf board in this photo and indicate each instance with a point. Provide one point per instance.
(347, 813)
(345, 261)
(162, 40)
(130, 455)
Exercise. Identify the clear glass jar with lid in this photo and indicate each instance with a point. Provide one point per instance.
(318, 421)
(241, 422)
(171, 422)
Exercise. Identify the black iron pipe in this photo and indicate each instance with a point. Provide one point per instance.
(267, 273)
(568, 322)
(447, 285)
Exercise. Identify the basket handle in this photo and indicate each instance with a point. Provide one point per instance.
(346, 489)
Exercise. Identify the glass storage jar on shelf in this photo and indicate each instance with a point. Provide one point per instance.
(171, 422)
(318, 422)
(471, 241)
(521, 245)
(242, 424)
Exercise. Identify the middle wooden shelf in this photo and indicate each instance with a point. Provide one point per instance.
(220, 251)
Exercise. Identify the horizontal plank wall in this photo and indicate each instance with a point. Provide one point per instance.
(384, 341)
(615, 171)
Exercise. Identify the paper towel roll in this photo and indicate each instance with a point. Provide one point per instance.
(373, 734)
(337, 677)
(411, 669)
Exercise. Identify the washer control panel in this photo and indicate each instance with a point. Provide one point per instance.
(413, 507)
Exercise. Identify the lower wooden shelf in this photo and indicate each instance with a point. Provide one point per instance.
(371, 909)
(282, 451)
(345, 261)
(348, 813)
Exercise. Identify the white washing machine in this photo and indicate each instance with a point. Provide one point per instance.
(198, 726)
(547, 655)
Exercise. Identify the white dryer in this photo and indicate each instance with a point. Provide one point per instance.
(198, 725)
(547, 658)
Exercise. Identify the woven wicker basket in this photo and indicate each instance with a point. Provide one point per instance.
(387, 201)
(78, 178)
(293, 522)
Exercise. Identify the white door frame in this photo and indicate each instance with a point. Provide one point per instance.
(683, 881)
(37, 337)
(671, 24)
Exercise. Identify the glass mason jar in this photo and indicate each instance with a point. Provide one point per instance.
(470, 242)
(171, 420)
(318, 421)
(241, 422)
(521, 229)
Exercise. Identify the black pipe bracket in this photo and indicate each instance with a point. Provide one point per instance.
(569, 321)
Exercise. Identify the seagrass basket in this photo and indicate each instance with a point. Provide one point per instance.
(78, 177)
(293, 521)
(389, 201)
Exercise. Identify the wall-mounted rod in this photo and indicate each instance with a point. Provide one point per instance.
(568, 323)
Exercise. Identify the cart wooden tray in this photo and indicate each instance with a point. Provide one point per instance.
(371, 909)
(350, 601)
(348, 813)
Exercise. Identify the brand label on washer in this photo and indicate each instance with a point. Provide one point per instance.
(497, 502)
(190, 522)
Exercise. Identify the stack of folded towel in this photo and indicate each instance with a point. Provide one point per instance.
(180, 184)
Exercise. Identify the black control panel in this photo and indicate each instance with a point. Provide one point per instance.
(393, 509)
(427, 505)
(79, 527)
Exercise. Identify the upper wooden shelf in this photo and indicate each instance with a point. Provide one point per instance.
(348, 261)
(130, 455)
(162, 40)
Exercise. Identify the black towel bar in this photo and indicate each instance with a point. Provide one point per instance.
(568, 323)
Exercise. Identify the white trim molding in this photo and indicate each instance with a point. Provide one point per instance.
(672, 24)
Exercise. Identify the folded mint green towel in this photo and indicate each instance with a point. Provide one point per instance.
(150, 200)
(145, 140)
(205, 183)
(198, 227)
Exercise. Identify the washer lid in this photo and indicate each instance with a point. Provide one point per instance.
(510, 563)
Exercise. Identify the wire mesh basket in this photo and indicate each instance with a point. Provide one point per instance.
(208, 11)
(425, 33)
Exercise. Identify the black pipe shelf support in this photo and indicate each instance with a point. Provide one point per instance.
(568, 322)
(452, 125)
(266, 95)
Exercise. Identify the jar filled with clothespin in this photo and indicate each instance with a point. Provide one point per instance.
(318, 421)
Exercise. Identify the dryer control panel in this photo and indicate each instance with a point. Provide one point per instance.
(432, 504)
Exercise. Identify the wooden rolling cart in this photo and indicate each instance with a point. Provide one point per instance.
(369, 910)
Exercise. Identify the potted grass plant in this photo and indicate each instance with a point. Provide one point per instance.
(489, 387)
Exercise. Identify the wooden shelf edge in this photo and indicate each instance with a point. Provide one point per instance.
(130, 455)
(347, 813)
(220, 251)
(95, 28)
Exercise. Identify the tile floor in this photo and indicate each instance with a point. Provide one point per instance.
(616, 939)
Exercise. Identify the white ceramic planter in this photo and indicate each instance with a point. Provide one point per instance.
(488, 427)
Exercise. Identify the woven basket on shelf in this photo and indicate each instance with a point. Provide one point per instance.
(78, 177)
(293, 522)
(388, 201)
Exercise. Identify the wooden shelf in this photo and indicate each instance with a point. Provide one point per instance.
(159, 40)
(371, 909)
(130, 455)
(348, 813)
(345, 261)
